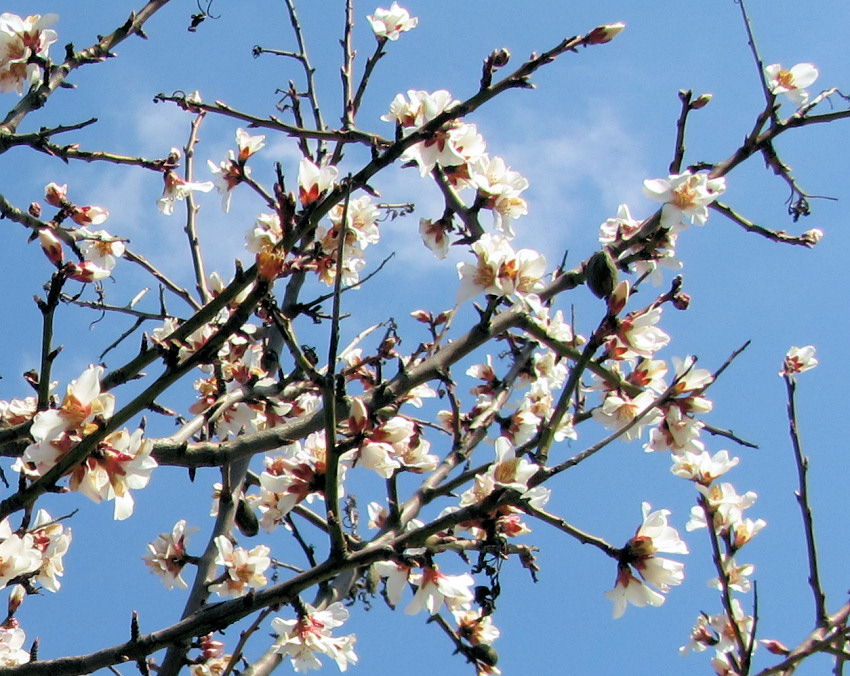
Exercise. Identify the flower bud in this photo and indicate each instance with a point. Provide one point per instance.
(51, 246)
(55, 194)
(89, 215)
(85, 272)
(681, 300)
(16, 598)
(701, 101)
(602, 34)
(812, 237)
(499, 57)
(618, 299)
(774, 646)
(34, 210)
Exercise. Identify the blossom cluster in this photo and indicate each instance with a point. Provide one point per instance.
(24, 47)
(121, 461)
(98, 250)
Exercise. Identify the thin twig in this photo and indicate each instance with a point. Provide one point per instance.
(802, 495)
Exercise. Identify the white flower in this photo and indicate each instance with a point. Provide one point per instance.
(122, 461)
(302, 638)
(499, 270)
(53, 541)
(11, 652)
(798, 360)
(435, 237)
(178, 189)
(243, 568)
(792, 82)
(314, 180)
(701, 466)
(629, 589)
(166, 555)
(618, 410)
(389, 24)
(18, 554)
(654, 535)
(100, 247)
(436, 588)
(685, 196)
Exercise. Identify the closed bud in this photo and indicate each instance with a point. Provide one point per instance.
(35, 210)
(51, 246)
(601, 274)
(602, 34)
(499, 57)
(701, 101)
(55, 194)
(617, 300)
(681, 300)
(16, 598)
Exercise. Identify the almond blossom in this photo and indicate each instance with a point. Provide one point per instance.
(178, 189)
(435, 588)
(798, 360)
(653, 536)
(476, 628)
(122, 461)
(725, 506)
(619, 410)
(791, 82)
(12, 640)
(499, 188)
(243, 568)
(435, 237)
(686, 197)
(22, 41)
(389, 24)
(301, 638)
(81, 407)
(18, 554)
(702, 467)
(314, 180)
(99, 247)
(232, 170)
(51, 245)
(85, 272)
(52, 540)
(167, 556)
(499, 270)
(89, 215)
(508, 472)
(638, 336)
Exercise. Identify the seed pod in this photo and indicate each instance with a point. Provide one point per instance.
(246, 520)
(601, 274)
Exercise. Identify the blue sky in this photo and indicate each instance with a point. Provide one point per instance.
(598, 123)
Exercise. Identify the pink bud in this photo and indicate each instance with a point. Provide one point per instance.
(55, 194)
(85, 272)
(89, 215)
(51, 246)
(602, 34)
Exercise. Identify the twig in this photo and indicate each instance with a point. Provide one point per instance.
(749, 226)
(560, 524)
(769, 97)
(191, 212)
(802, 495)
(729, 434)
(178, 291)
